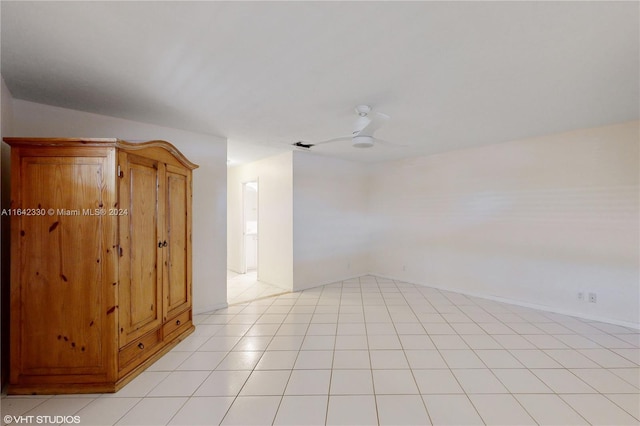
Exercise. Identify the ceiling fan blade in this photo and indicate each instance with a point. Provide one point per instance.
(342, 138)
(377, 120)
(309, 145)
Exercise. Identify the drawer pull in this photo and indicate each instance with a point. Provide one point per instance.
(141, 345)
(177, 322)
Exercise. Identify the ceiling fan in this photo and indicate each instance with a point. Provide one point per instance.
(365, 125)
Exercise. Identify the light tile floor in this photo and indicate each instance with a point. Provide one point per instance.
(246, 287)
(373, 351)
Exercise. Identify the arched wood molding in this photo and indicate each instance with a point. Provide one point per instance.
(118, 143)
(135, 146)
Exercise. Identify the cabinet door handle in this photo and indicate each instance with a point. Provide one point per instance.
(164, 243)
(141, 345)
(177, 322)
(159, 244)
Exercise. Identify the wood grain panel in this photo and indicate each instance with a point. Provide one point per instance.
(61, 294)
(140, 294)
(177, 288)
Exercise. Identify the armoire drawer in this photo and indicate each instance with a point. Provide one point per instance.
(177, 323)
(140, 348)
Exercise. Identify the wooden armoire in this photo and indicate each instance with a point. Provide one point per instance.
(100, 261)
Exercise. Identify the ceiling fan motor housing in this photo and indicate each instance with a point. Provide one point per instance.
(362, 141)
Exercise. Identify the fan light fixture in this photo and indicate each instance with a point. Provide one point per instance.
(361, 136)
(362, 141)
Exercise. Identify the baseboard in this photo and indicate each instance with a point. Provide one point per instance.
(545, 308)
(210, 308)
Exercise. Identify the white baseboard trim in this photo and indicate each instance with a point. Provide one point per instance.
(521, 303)
(210, 308)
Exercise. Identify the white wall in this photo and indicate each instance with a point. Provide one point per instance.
(209, 181)
(330, 220)
(275, 217)
(6, 119)
(533, 221)
(6, 108)
(6, 129)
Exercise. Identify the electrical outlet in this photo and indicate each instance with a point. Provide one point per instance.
(581, 296)
(593, 298)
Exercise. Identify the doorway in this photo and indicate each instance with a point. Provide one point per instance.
(250, 227)
(243, 284)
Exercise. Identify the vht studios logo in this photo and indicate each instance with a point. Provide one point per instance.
(9, 419)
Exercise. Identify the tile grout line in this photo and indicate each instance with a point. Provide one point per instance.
(443, 358)
(284, 390)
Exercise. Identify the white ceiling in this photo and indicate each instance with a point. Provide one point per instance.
(264, 75)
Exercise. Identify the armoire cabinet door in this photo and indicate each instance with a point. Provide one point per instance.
(62, 266)
(178, 232)
(140, 293)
